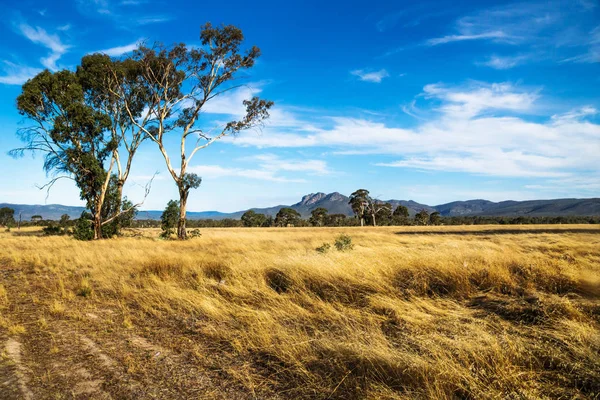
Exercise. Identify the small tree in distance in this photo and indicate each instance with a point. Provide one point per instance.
(360, 202)
(435, 218)
(7, 216)
(287, 217)
(422, 217)
(318, 216)
(253, 219)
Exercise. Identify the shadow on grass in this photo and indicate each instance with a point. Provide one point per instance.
(500, 231)
(26, 233)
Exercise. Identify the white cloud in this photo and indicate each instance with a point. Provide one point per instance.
(505, 62)
(17, 74)
(496, 35)
(267, 167)
(120, 50)
(375, 76)
(480, 129)
(40, 36)
(471, 101)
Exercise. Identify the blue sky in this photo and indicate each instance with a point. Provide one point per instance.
(433, 101)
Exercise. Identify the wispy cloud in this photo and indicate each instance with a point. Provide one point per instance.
(39, 36)
(495, 35)
(592, 55)
(120, 12)
(15, 74)
(505, 62)
(374, 76)
(552, 30)
(120, 50)
(153, 20)
(267, 167)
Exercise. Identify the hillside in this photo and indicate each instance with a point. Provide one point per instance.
(337, 203)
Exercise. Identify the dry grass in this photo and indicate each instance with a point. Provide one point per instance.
(442, 312)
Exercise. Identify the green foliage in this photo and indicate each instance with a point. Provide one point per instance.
(7, 216)
(422, 217)
(83, 227)
(169, 219)
(383, 213)
(253, 219)
(324, 248)
(360, 201)
(435, 218)
(343, 243)
(54, 230)
(194, 233)
(401, 211)
(318, 216)
(287, 217)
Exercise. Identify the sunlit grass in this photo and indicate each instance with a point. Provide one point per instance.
(462, 315)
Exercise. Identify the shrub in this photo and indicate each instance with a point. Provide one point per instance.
(343, 243)
(194, 233)
(51, 230)
(324, 248)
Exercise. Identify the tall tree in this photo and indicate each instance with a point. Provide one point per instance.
(360, 202)
(70, 133)
(180, 81)
(80, 125)
(318, 216)
(116, 88)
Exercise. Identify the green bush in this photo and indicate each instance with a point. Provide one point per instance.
(194, 233)
(52, 230)
(324, 248)
(83, 227)
(343, 243)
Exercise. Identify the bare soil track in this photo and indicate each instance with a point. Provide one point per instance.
(44, 356)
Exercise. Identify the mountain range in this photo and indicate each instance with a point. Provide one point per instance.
(337, 203)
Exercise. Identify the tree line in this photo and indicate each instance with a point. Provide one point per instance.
(90, 123)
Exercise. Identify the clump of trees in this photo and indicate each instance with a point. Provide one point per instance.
(89, 123)
(253, 219)
(288, 217)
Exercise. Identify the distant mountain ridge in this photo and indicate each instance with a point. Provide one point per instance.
(337, 203)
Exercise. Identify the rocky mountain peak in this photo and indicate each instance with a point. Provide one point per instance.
(311, 198)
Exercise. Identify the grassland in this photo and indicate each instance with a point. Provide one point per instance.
(441, 312)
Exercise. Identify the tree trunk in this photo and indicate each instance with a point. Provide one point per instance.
(362, 221)
(120, 184)
(97, 225)
(181, 232)
(374, 224)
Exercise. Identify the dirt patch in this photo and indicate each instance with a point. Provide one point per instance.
(13, 350)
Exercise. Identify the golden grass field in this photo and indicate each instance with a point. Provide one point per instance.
(460, 312)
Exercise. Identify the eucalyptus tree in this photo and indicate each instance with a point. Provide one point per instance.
(180, 81)
(318, 216)
(80, 127)
(360, 201)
